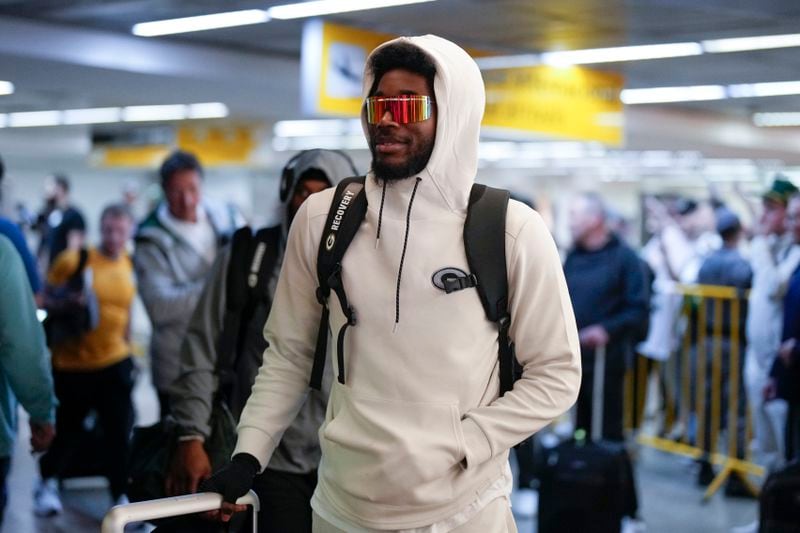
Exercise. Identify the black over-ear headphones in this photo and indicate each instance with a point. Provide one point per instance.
(287, 175)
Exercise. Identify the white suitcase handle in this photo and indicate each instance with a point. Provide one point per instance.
(119, 516)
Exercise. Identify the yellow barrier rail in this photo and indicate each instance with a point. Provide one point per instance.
(708, 397)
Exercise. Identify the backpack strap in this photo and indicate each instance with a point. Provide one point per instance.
(485, 246)
(348, 209)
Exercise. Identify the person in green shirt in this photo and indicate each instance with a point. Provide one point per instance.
(25, 375)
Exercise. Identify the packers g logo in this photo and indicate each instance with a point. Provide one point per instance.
(330, 241)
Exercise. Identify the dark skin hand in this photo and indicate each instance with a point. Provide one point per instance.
(42, 435)
(190, 466)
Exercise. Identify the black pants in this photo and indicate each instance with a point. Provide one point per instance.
(108, 393)
(5, 466)
(285, 501)
(285, 507)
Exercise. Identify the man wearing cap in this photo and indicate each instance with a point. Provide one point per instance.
(773, 258)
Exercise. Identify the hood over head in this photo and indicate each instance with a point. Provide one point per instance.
(336, 166)
(460, 99)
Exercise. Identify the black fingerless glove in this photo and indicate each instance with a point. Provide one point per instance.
(234, 479)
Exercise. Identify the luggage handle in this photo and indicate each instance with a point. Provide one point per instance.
(597, 393)
(116, 519)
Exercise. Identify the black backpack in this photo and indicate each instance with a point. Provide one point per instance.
(247, 305)
(484, 242)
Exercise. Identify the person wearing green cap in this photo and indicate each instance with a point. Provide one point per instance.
(774, 257)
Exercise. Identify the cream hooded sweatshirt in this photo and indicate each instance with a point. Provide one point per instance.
(417, 431)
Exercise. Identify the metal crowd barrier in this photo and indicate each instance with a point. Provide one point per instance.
(694, 392)
(121, 515)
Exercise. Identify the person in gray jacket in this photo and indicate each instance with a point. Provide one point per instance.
(176, 245)
(286, 486)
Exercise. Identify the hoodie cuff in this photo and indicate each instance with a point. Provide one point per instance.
(476, 446)
(256, 443)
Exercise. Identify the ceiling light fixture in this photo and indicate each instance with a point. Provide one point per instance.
(97, 115)
(327, 7)
(309, 128)
(498, 62)
(101, 115)
(209, 110)
(741, 44)
(201, 23)
(621, 53)
(770, 120)
(772, 88)
(34, 118)
(6, 87)
(659, 95)
(152, 113)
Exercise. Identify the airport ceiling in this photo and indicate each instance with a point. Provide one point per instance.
(72, 53)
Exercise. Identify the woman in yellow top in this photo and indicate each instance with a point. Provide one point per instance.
(94, 371)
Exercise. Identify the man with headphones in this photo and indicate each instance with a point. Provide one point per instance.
(286, 485)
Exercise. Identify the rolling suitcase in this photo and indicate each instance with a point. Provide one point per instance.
(779, 502)
(118, 517)
(587, 484)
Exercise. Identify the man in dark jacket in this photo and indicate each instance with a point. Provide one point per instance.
(286, 485)
(606, 283)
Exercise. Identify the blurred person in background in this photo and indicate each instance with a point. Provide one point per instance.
(724, 267)
(94, 371)
(607, 285)
(25, 376)
(784, 383)
(13, 232)
(60, 224)
(175, 247)
(774, 256)
(286, 485)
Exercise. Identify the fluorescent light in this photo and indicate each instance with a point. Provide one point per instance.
(775, 88)
(767, 120)
(762, 42)
(208, 110)
(97, 115)
(621, 53)
(34, 118)
(673, 94)
(6, 87)
(310, 128)
(3, 120)
(497, 62)
(152, 113)
(327, 7)
(201, 23)
(337, 142)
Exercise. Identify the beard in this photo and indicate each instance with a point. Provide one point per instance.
(414, 163)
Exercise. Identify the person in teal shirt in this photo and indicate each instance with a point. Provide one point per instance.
(25, 375)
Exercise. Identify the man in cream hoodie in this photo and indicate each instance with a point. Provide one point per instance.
(416, 438)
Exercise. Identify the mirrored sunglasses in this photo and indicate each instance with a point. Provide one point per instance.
(405, 108)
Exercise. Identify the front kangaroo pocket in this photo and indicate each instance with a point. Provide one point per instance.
(392, 452)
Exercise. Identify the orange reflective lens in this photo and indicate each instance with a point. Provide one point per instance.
(405, 108)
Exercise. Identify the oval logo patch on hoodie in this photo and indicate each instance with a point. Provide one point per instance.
(448, 272)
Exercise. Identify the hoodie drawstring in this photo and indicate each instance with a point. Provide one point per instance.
(380, 215)
(403, 255)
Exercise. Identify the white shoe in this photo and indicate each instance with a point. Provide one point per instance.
(525, 502)
(749, 528)
(46, 501)
(633, 525)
